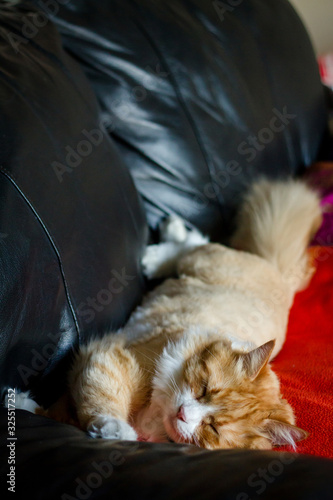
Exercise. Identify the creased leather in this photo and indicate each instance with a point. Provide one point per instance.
(193, 91)
(71, 222)
(64, 463)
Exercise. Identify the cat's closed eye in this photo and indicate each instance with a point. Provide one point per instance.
(202, 393)
(214, 429)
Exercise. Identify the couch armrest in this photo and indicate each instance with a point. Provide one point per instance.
(58, 461)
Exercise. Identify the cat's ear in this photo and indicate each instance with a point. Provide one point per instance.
(254, 361)
(281, 433)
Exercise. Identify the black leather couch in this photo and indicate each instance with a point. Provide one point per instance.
(113, 114)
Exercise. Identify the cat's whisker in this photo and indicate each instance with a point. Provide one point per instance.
(150, 359)
(209, 352)
(196, 441)
(174, 380)
(175, 385)
(172, 386)
(150, 350)
(171, 381)
(147, 370)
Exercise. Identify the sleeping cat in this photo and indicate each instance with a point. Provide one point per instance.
(191, 365)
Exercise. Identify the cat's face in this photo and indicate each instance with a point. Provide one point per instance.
(216, 398)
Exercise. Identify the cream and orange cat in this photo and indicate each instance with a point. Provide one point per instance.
(191, 365)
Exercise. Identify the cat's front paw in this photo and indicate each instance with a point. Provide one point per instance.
(159, 260)
(150, 261)
(111, 428)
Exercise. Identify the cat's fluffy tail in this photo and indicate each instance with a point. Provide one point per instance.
(277, 221)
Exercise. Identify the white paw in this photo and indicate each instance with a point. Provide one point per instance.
(111, 428)
(158, 260)
(23, 401)
(173, 229)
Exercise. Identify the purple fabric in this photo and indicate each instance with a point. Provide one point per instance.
(322, 180)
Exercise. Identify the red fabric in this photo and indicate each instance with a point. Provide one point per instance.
(305, 364)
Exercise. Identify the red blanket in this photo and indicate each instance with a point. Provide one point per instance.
(305, 364)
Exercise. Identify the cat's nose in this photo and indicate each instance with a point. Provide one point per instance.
(181, 414)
